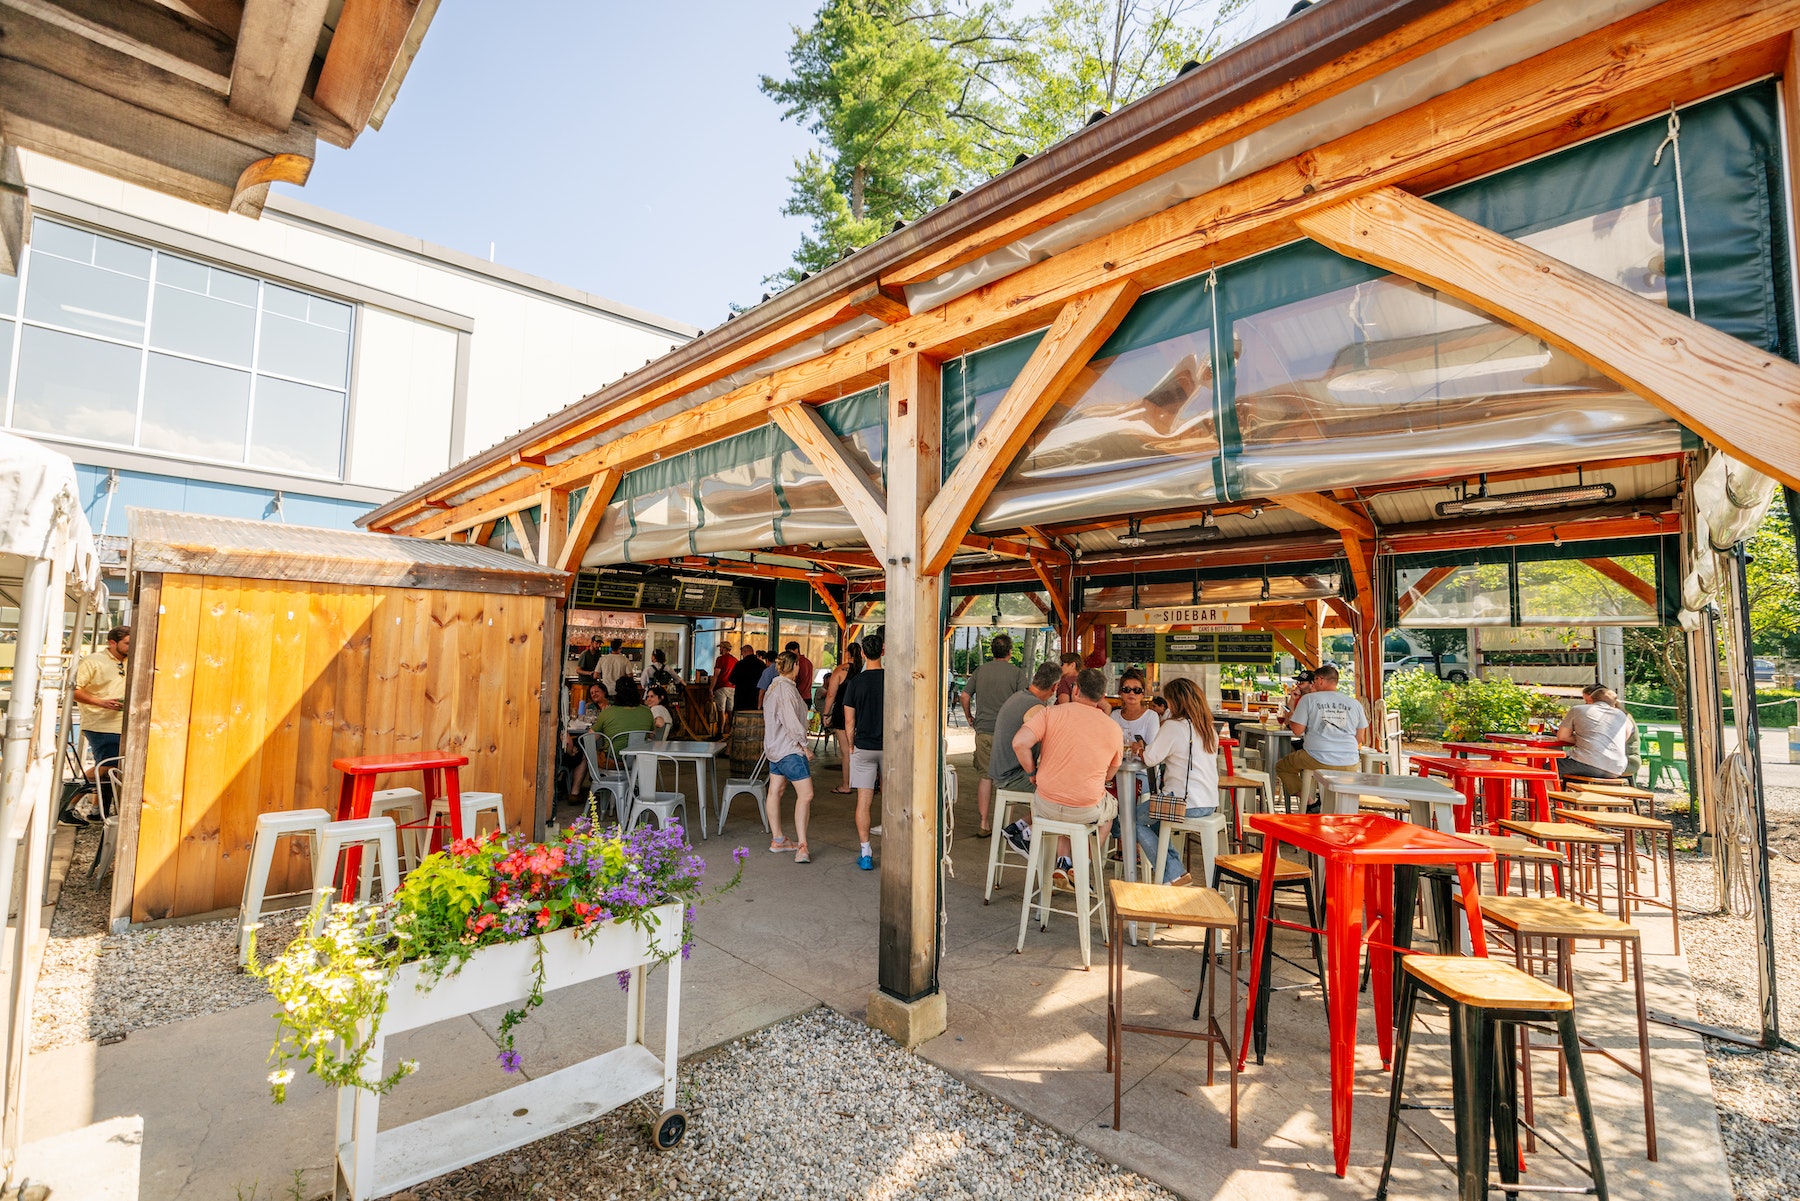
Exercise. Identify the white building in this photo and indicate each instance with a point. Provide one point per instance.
(304, 367)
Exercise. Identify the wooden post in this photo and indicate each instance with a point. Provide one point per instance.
(908, 1006)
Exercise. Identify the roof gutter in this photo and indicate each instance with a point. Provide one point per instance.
(1286, 51)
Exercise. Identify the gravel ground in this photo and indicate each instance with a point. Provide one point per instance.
(834, 1082)
(1755, 1089)
(96, 985)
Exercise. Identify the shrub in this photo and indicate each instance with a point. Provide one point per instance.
(1474, 708)
(1419, 697)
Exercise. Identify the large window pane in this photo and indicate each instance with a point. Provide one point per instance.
(298, 428)
(1479, 595)
(6, 349)
(203, 311)
(195, 408)
(86, 282)
(1597, 591)
(306, 337)
(9, 295)
(77, 386)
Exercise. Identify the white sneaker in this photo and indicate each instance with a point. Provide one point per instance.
(874, 831)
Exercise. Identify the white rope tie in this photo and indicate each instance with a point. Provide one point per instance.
(1673, 140)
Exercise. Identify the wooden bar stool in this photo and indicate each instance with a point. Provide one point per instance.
(1232, 787)
(1562, 923)
(1244, 872)
(1509, 850)
(1489, 1004)
(1633, 826)
(1582, 799)
(1398, 810)
(1167, 905)
(1581, 846)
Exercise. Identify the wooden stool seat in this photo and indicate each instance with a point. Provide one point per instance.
(1169, 905)
(1375, 804)
(1248, 866)
(1509, 847)
(1488, 983)
(1616, 790)
(1632, 822)
(1560, 832)
(1235, 781)
(1593, 800)
(1552, 917)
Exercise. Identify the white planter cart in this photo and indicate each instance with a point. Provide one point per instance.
(373, 1165)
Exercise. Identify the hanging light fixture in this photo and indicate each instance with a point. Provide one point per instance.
(1133, 536)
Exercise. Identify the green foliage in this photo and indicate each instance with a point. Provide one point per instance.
(911, 99)
(1434, 708)
(1772, 582)
(1419, 698)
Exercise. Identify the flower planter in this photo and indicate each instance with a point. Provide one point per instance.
(372, 1165)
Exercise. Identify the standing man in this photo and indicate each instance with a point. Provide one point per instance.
(722, 666)
(1334, 726)
(586, 665)
(1069, 753)
(1003, 769)
(100, 692)
(614, 667)
(746, 680)
(990, 686)
(804, 681)
(862, 715)
(1065, 682)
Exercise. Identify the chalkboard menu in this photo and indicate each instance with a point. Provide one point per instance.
(1193, 646)
(594, 590)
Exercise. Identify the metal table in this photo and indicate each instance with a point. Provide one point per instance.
(701, 754)
(1275, 743)
(1433, 802)
(1125, 784)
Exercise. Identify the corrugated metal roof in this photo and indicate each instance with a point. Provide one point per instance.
(195, 544)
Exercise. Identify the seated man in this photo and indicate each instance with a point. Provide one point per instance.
(1003, 765)
(1334, 726)
(1069, 753)
(1600, 736)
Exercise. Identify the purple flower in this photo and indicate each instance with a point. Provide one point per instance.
(624, 981)
(509, 1060)
(690, 913)
(741, 854)
(687, 948)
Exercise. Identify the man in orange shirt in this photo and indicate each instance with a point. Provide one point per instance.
(1069, 752)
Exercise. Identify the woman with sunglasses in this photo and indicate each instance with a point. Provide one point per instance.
(1134, 715)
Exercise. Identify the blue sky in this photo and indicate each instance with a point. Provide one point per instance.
(622, 148)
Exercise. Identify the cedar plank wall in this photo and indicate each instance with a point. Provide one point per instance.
(260, 684)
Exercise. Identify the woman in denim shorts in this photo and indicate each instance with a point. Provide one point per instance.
(784, 743)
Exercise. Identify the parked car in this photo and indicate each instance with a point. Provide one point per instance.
(1454, 669)
(1764, 670)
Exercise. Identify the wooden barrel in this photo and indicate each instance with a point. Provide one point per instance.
(746, 740)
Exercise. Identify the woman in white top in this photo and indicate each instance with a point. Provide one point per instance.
(1186, 747)
(1134, 714)
(1599, 736)
(662, 723)
(790, 759)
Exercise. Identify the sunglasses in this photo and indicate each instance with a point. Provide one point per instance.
(1131, 692)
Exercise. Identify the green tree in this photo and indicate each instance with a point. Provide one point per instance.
(900, 95)
(1772, 580)
(1084, 56)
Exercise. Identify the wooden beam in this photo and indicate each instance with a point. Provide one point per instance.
(1057, 599)
(884, 304)
(1624, 577)
(911, 803)
(763, 571)
(1079, 329)
(863, 498)
(1298, 653)
(1315, 506)
(1341, 607)
(553, 525)
(223, 15)
(275, 44)
(957, 609)
(15, 212)
(1012, 548)
(600, 489)
(253, 183)
(364, 48)
(831, 604)
(1421, 539)
(518, 528)
(1736, 396)
(1384, 53)
(1409, 599)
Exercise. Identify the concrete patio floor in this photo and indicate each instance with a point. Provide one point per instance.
(1028, 1028)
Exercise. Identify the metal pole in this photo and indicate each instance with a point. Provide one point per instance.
(1750, 743)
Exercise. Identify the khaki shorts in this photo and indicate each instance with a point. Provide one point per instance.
(1052, 811)
(984, 752)
(865, 768)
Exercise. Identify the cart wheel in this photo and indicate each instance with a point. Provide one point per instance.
(669, 1130)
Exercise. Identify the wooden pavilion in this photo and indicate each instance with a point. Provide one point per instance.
(1401, 303)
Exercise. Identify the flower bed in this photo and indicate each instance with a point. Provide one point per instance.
(335, 987)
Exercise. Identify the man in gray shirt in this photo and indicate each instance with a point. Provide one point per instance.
(1003, 766)
(989, 687)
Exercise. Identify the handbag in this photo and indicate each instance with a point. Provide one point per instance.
(1166, 806)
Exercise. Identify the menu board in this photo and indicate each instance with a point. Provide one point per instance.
(593, 590)
(597, 591)
(659, 594)
(1191, 646)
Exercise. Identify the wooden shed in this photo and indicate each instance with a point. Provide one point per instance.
(264, 651)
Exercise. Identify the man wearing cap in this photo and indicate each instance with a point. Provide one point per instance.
(1334, 726)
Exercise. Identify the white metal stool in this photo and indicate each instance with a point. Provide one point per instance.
(644, 801)
(1087, 851)
(999, 850)
(1212, 828)
(380, 843)
(271, 828)
(474, 804)
(1373, 760)
(405, 806)
(756, 784)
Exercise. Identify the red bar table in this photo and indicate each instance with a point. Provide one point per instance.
(1539, 740)
(1531, 756)
(1360, 851)
(358, 790)
(1465, 774)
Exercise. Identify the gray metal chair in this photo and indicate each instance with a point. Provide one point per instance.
(645, 801)
(756, 784)
(611, 781)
